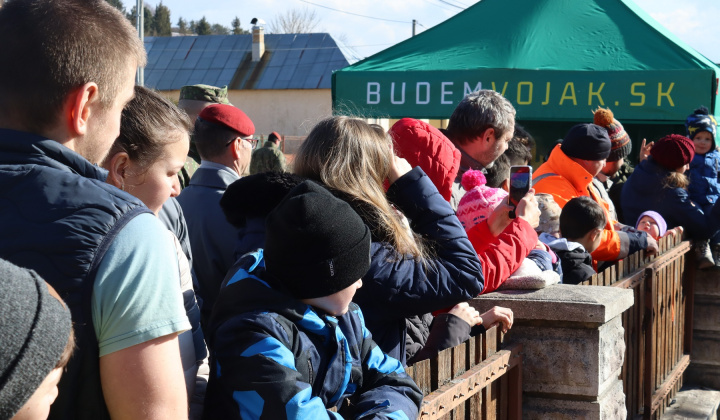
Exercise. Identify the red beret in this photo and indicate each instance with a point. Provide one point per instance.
(673, 151)
(230, 117)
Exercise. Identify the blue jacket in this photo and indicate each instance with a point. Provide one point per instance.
(644, 191)
(212, 238)
(275, 357)
(398, 287)
(704, 187)
(58, 217)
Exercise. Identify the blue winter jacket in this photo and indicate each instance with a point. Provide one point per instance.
(58, 217)
(398, 287)
(275, 357)
(704, 187)
(644, 191)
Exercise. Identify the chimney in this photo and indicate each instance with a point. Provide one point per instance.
(258, 45)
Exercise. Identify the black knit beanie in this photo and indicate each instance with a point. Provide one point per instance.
(587, 142)
(315, 243)
(34, 330)
(256, 195)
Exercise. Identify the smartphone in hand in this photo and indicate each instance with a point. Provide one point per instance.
(520, 184)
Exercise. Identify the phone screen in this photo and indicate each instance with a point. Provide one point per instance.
(520, 182)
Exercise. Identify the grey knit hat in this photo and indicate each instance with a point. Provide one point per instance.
(34, 330)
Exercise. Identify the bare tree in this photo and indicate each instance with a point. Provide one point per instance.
(294, 21)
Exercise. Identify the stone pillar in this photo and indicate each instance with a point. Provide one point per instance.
(704, 369)
(573, 348)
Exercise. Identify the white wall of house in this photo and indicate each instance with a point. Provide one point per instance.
(291, 112)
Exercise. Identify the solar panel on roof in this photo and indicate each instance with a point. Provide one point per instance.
(267, 80)
(226, 76)
(295, 60)
(212, 77)
(311, 82)
(166, 80)
(181, 79)
(197, 77)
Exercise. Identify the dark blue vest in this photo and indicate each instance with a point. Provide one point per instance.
(58, 217)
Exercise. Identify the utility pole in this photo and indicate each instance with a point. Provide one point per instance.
(414, 23)
(140, 8)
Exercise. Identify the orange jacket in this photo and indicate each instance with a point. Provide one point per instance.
(574, 181)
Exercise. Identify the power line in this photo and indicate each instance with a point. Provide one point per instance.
(356, 14)
(449, 4)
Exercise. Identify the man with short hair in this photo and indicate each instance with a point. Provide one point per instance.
(193, 99)
(569, 172)
(222, 136)
(477, 133)
(268, 158)
(104, 252)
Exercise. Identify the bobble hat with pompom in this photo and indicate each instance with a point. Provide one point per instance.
(479, 201)
(619, 139)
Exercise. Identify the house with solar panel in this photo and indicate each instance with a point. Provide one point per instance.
(281, 81)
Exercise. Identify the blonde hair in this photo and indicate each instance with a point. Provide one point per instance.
(352, 156)
(675, 180)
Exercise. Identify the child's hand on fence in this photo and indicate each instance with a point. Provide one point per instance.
(678, 230)
(467, 313)
(498, 315)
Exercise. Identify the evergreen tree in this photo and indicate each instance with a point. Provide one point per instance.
(203, 27)
(182, 26)
(236, 28)
(193, 27)
(115, 3)
(218, 29)
(161, 21)
(149, 26)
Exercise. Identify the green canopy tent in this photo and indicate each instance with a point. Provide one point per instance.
(555, 60)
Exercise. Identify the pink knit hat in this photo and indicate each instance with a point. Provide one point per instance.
(479, 201)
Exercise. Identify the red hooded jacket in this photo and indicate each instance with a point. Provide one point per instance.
(425, 146)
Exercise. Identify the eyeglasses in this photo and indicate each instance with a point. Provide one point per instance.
(253, 142)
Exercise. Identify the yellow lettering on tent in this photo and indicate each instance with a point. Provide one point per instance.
(665, 94)
(519, 93)
(547, 94)
(596, 93)
(504, 87)
(633, 92)
(571, 87)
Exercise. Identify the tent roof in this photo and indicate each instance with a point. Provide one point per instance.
(542, 35)
(547, 35)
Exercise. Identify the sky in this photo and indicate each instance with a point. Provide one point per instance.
(387, 22)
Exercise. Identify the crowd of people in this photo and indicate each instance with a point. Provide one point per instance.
(159, 264)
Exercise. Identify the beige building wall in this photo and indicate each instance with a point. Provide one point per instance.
(291, 112)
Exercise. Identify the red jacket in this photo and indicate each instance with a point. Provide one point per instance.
(424, 145)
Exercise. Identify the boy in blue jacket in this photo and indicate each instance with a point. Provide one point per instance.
(287, 342)
(704, 187)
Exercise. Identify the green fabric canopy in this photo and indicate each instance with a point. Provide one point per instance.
(555, 60)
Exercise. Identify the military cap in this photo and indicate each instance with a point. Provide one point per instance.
(205, 93)
(230, 117)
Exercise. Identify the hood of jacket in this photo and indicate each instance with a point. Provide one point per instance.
(425, 146)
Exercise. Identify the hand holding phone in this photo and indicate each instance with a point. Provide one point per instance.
(520, 184)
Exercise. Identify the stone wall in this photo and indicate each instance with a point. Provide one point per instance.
(573, 349)
(704, 367)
